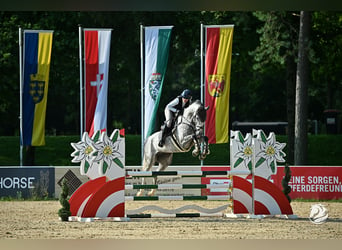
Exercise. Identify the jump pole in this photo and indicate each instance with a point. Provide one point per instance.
(170, 214)
(176, 186)
(177, 215)
(179, 198)
(185, 173)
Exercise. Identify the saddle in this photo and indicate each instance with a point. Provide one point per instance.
(166, 131)
(172, 128)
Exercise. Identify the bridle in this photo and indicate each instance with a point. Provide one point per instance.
(197, 129)
(192, 124)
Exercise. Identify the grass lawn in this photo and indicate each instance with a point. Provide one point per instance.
(322, 150)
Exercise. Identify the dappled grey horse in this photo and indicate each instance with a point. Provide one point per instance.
(187, 132)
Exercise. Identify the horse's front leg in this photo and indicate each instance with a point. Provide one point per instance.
(205, 148)
(196, 150)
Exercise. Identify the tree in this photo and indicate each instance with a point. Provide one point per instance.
(268, 82)
(326, 39)
(64, 212)
(278, 37)
(9, 71)
(301, 115)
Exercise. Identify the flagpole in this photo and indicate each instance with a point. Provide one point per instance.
(142, 74)
(81, 79)
(202, 82)
(21, 95)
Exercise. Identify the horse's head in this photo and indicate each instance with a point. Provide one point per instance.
(196, 113)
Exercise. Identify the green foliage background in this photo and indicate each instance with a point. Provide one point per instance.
(262, 43)
(263, 73)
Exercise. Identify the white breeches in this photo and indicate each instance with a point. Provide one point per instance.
(168, 117)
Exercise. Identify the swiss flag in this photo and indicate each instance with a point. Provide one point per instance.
(97, 50)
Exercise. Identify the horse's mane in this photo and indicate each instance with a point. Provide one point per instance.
(202, 114)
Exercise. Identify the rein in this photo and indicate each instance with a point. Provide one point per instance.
(190, 123)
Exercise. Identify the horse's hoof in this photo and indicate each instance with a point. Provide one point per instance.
(151, 193)
(140, 193)
(202, 157)
(195, 153)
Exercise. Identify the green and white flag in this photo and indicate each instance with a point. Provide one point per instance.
(157, 43)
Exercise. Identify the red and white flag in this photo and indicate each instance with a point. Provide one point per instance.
(97, 50)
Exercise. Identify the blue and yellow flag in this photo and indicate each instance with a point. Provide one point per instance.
(36, 68)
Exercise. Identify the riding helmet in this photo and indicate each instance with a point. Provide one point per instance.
(186, 94)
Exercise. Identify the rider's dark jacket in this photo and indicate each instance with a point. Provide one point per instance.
(177, 105)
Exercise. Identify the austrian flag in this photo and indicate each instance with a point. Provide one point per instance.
(97, 50)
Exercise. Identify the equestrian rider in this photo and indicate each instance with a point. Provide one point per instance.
(174, 107)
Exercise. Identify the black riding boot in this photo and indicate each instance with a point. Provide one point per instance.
(164, 134)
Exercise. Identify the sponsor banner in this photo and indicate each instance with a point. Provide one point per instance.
(215, 180)
(27, 182)
(312, 182)
(308, 182)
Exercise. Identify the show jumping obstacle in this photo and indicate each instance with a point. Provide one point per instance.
(103, 196)
(203, 212)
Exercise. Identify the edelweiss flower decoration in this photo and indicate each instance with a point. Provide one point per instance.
(108, 151)
(84, 151)
(245, 150)
(271, 151)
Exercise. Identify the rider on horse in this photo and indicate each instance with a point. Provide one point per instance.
(174, 107)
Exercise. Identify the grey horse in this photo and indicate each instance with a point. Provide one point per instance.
(187, 132)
